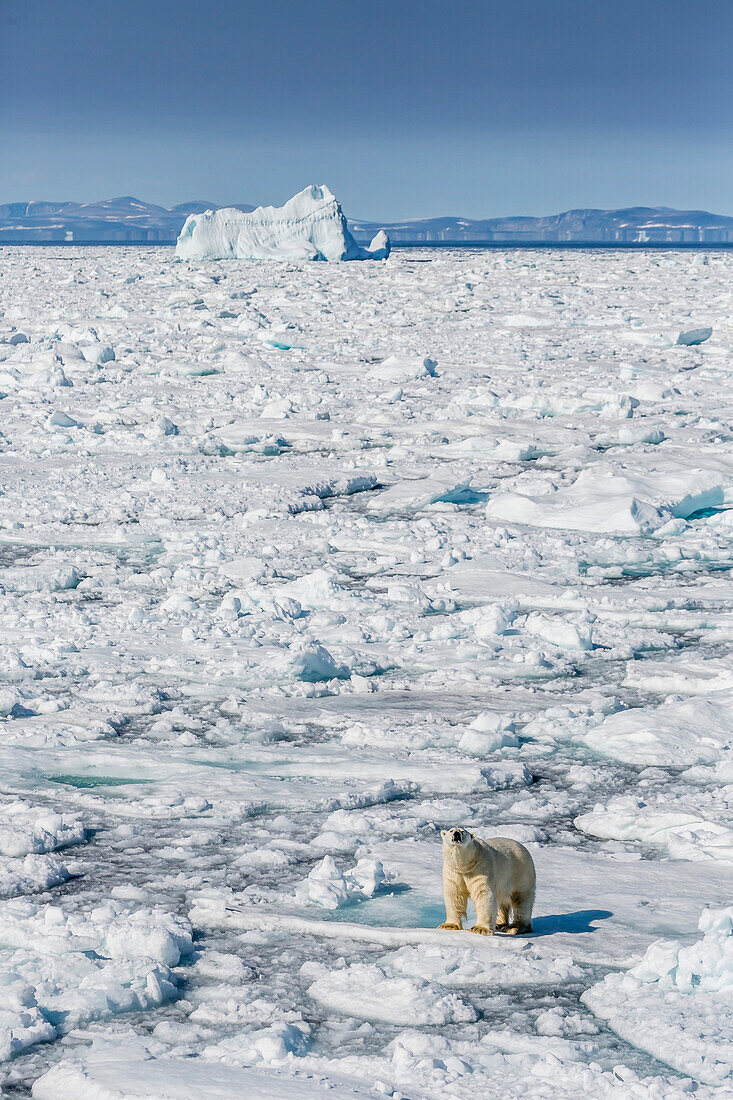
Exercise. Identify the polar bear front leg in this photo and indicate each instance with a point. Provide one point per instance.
(455, 896)
(484, 901)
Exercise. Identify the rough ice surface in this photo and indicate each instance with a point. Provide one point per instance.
(662, 826)
(678, 991)
(60, 971)
(370, 993)
(331, 888)
(310, 226)
(301, 563)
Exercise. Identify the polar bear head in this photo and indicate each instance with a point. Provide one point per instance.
(458, 845)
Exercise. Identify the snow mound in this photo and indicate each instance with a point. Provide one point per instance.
(31, 875)
(331, 888)
(313, 663)
(367, 992)
(489, 733)
(268, 1044)
(560, 632)
(30, 830)
(27, 834)
(403, 368)
(677, 1003)
(21, 1021)
(310, 226)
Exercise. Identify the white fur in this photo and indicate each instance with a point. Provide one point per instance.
(498, 876)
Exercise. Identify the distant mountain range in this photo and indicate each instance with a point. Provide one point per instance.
(632, 225)
(132, 221)
(124, 220)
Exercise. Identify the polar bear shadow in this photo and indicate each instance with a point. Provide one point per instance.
(582, 920)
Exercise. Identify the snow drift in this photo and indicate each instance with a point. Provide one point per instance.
(310, 226)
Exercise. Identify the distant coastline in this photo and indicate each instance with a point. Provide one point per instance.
(437, 246)
(128, 220)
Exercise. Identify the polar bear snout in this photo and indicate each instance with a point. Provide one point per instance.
(455, 835)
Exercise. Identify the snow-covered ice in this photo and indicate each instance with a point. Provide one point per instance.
(678, 991)
(301, 563)
(331, 888)
(368, 992)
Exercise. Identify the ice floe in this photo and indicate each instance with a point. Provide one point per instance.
(61, 971)
(372, 993)
(674, 830)
(679, 732)
(676, 1002)
(619, 502)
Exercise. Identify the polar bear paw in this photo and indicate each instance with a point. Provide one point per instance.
(449, 926)
(482, 930)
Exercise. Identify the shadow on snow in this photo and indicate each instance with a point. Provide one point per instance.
(579, 921)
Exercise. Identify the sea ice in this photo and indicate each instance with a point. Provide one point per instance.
(62, 971)
(677, 832)
(301, 564)
(679, 732)
(31, 874)
(330, 888)
(620, 502)
(693, 336)
(26, 829)
(677, 1002)
(107, 1077)
(372, 993)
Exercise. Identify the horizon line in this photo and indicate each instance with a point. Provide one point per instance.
(661, 208)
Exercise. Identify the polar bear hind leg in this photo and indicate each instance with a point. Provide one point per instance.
(502, 917)
(522, 912)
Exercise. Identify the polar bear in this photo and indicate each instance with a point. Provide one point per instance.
(498, 876)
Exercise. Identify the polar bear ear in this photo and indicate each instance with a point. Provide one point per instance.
(443, 832)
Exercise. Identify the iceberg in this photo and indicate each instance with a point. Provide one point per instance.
(310, 226)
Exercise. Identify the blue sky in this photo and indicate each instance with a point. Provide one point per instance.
(406, 108)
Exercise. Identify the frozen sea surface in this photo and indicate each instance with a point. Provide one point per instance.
(301, 563)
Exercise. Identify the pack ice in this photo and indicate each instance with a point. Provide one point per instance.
(301, 563)
(310, 226)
